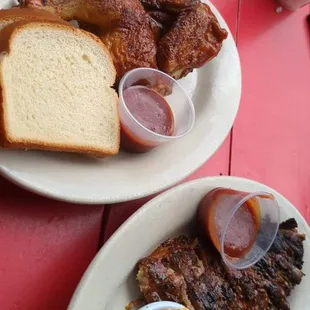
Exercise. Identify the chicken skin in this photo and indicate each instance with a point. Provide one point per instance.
(194, 39)
(161, 22)
(131, 47)
(168, 5)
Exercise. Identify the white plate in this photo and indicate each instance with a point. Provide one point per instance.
(215, 89)
(109, 282)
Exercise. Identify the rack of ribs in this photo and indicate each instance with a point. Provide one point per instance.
(191, 272)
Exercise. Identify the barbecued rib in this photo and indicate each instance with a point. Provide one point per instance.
(193, 274)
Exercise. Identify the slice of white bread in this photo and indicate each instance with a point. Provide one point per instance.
(56, 90)
(13, 15)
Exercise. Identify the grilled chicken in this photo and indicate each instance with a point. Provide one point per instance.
(192, 273)
(161, 22)
(174, 35)
(194, 39)
(168, 5)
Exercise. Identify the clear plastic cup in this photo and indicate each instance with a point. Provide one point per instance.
(236, 218)
(135, 136)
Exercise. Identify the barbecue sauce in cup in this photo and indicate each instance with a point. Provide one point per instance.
(151, 110)
(242, 230)
(243, 227)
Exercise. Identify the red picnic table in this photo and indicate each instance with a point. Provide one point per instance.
(47, 245)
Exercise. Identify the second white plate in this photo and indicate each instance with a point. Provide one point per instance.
(110, 281)
(215, 89)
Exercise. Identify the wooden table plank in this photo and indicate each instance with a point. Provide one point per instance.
(218, 164)
(45, 248)
(116, 214)
(271, 135)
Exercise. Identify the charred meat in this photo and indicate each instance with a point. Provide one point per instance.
(191, 272)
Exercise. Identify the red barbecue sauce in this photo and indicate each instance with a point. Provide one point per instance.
(151, 110)
(242, 230)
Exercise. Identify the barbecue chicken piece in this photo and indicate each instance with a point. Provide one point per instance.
(123, 25)
(194, 39)
(175, 35)
(161, 22)
(168, 5)
(132, 46)
(165, 18)
(192, 273)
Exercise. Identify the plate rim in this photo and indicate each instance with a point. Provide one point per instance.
(58, 195)
(97, 260)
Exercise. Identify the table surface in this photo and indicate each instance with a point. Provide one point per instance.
(46, 245)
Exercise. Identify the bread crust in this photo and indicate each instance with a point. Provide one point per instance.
(6, 39)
